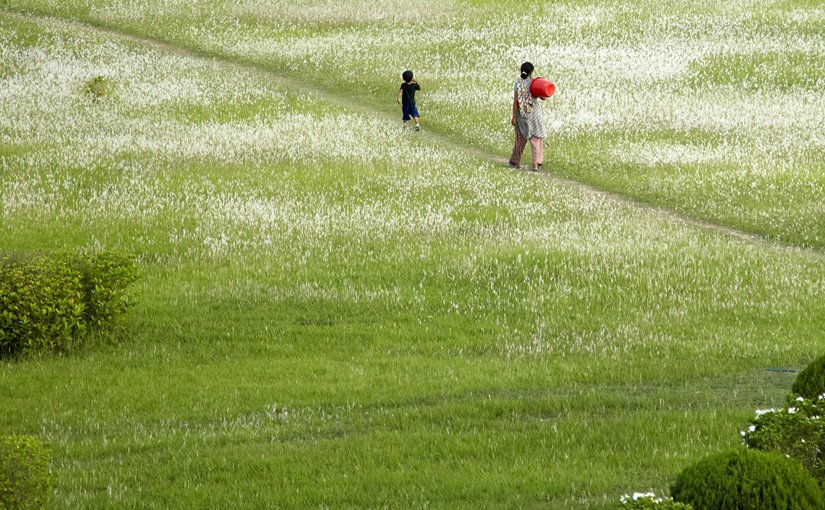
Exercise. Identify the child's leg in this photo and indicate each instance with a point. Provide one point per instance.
(405, 116)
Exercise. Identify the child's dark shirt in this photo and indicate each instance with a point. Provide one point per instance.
(408, 93)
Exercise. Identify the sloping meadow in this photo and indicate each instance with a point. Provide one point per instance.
(711, 108)
(335, 313)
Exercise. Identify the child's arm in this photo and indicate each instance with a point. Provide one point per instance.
(398, 96)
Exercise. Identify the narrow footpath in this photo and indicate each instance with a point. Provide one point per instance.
(353, 105)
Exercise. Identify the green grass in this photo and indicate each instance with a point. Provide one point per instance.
(394, 320)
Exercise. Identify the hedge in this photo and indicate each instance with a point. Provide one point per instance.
(48, 301)
(24, 473)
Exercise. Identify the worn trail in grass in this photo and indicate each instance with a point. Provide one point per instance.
(351, 103)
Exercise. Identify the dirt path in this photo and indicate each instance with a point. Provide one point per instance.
(351, 104)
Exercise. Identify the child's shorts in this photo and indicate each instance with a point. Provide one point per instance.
(409, 111)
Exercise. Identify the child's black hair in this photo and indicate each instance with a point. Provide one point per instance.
(407, 76)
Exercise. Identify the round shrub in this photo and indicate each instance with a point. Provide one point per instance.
(24, 473)
(810, 383)
(748, 479)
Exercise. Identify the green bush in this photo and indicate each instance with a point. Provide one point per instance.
(649, 501)
(24, 473)
(97, 88)
(810, 383)
(798, 431)
(104, 279)
(41, 303)
(48, 301)
(748, 479)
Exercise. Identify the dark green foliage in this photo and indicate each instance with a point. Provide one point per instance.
(104, 278)
(41, 303)
(810, 383)
(24, 473)
(742, 479)
(97, 88)
(48, 301)
(798, 431)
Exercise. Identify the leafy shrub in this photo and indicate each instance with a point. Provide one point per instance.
(47, 301)
(810, 383)
(649, 501)
(744, 478)
(24, 473)
(798, 431)
(97, 88)
(104, 278)
(41, 303)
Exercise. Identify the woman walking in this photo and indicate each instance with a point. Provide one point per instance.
(527, 120)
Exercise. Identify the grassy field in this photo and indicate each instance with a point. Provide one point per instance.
(335, 314)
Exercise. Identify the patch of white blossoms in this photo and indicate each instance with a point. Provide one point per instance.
(320, 185)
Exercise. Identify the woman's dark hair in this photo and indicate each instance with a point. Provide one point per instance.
(407, 75)
(526, 69)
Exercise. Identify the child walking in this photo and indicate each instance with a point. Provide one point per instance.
(406, 98)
